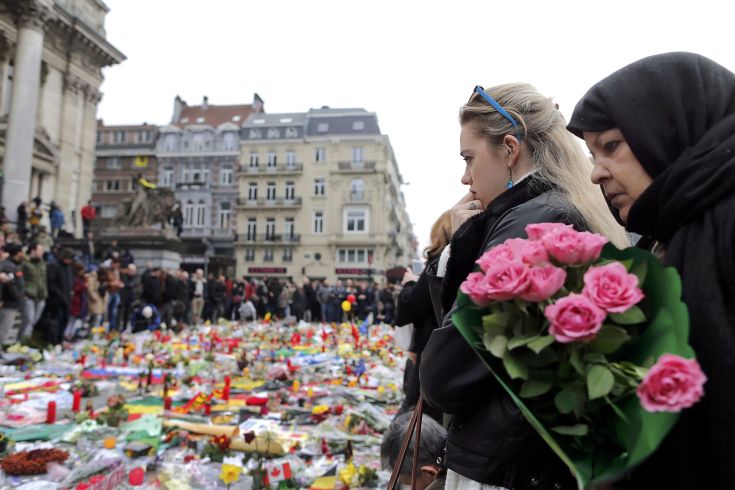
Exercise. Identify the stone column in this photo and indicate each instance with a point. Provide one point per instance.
(32, 16)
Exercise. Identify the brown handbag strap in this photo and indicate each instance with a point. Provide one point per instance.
(413, 425)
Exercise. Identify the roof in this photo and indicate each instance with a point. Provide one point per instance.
(268, 120)
(214, 115)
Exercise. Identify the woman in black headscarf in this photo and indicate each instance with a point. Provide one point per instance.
(662, 135)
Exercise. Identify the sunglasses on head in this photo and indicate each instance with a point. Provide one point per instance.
(497, 107)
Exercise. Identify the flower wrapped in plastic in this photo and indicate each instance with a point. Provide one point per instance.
(589, 341)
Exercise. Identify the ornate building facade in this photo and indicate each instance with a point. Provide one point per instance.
(320, 197)
(51, 56)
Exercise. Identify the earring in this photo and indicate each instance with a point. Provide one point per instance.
(509, 185)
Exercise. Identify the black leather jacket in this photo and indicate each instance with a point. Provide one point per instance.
(489, 440)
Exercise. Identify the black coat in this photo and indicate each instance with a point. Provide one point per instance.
(59, 280)
(489, 440)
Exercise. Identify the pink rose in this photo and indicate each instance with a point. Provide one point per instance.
(573, 247)
(515, 249)
(474, 287)
(537, 231)
(574, 318)
(611, 287)
(671, 384)
(544, 282)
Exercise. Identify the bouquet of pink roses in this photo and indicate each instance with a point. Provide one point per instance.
(589, 341)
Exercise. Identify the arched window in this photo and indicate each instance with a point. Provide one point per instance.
(357, 190)
(188, 213)
(200, 213)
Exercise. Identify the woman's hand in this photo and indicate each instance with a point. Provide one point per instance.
(467, 207)
(409, 276)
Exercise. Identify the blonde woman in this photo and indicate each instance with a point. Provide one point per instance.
(522, 167)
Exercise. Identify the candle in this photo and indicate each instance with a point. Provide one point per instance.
(207, 408)
(167, 403)
(226, 389)
(51, 412)
(77, 405)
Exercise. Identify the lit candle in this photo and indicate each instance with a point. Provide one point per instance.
(226, 389)
(51, 412)
(207, 409)
(167, 403)
(77, 404)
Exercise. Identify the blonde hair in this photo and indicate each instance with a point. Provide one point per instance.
(555, 154)
(441, 233)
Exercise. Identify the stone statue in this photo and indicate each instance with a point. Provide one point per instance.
(150, 205)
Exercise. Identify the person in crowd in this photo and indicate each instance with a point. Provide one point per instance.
(186, 281)
(89, 213)
(198, 287)
(151, 286)
(216, 298)
(34, 220)
(129, 293)
(59, 281)
(145, 317)
(247, 311)
(429, 473)
(662, 136)
(388, 299)
(95, 297)
(323, 295)
(174, 294)
(78, 308)
(88, 248)
(21, 226)
(313, 310)
(112, 252)
(414, 306)
(36, 291)
(56, 218)
(177, 219)
(13, 288)
(113, 283)
(298, 303)
(283, 301)
(45, 240)
(522, 167)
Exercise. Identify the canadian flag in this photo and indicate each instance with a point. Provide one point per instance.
(277, 472)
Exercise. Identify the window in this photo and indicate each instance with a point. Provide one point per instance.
(170, 142)
(270, 191)
(271, 159)
(201, 210)
(188, 213)
(354, 256)
(254, 159)
(197, 142)
(254, 134)
(229, 141)
(249, 254)
(291, 133)
(268, 255)
(357, 154)
(270, 229)
(113, 186)
(322, 127)
(224, 216)
(120, 136)
(357, 190)
(318, 222)
(108, 211)
(185, 174)
(144, 136)
(320, 154)
(290, 158)
(167, 177)
(356, 220)
(287, 255)
(289, 229)
(99, 137)
(225, 176)
(358, 125)
(289, 190)
(319, 187)
(274, 133)
(199, 173)
(251, 229)
(252, 191)
(113, 163)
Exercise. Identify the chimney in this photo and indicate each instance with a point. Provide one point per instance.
(205, 103)
(179, 105)
(258, 103)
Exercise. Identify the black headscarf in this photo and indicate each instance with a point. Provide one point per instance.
(677, 114)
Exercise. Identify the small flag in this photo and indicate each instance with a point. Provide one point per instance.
(278, 472)
(141, 161)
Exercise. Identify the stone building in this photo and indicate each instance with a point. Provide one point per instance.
(124, 153)
(198, 155)
(51, 56)
(320, 197)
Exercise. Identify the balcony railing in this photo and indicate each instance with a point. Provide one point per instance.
(356, 167)
(270, 238)
(279, 202)
(283, 168)
(192, 185)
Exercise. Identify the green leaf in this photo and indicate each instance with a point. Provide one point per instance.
(519, 341)
(616, 409)
(629, 317)
(534, 387)
(521, 305)
(539, 344)
(496, 345)
(609, 339)
(640, 270)
(496, 320)
(627, 263)
(576, 361)
(600, 382)
(515, 368)
(571, 430)
(569, 399)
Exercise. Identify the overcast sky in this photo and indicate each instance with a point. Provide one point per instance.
(414, 63)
